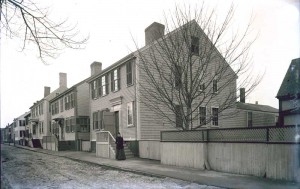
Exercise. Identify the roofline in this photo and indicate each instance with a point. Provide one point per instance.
(277, 110)
(62, 94)
(68, 90)
(111, 67)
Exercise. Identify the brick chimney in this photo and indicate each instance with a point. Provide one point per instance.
(242, 95)
(96, 67)
(154, 32)
(62, 80)
(46, 91)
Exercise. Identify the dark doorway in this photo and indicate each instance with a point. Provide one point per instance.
(116, 122)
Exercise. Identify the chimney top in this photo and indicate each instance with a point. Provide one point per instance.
(46, 91)
(154, 32)
(62, 80)
(96, 67)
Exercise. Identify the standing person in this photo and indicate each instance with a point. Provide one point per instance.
(120, 155)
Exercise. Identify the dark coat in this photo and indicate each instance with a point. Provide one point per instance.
(119, 142)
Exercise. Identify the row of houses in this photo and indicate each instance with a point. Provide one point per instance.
(110, 101)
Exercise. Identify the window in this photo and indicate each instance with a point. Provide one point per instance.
(21, 122)
(50, 127)
(54, 108)
(129, 73)
(215, 119)
(104, 85)
(178, 116)
(93, 88)
(202, 115)
(115, 80)
(177, 76)
(61, 104)
(130, 114)
(83, 123)
(95, 120)
(215, 86)
(195, 45)
(249, 119)
(67, 125)
(73, 124)
(202, 87)
(67, 102)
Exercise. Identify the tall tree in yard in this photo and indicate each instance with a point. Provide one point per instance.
(26, 20)
(195, 65)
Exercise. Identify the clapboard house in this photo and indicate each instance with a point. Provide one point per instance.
(289, 96)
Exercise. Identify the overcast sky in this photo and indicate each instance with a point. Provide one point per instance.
(111, 26)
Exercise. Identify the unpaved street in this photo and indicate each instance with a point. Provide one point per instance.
(22, 168)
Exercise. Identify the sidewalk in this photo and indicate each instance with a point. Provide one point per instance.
(154, 168)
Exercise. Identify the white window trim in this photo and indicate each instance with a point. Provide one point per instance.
(131, 125)
(211, 114)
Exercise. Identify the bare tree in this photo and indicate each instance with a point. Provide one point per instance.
(26, 20)
(195, 65)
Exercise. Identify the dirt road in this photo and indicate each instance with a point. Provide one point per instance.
(22, 168)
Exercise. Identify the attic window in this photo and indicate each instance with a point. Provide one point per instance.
(195, 45)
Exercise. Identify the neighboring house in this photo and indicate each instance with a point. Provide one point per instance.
(70, 117)
(2, 134)
(116, 97)
(19, 129)
(8, 133)
(40, 121)
(27, 127)
(251, 115)
(289, 96)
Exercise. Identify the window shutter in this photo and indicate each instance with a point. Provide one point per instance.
(112, 81)
(106, 84)
(119, 79)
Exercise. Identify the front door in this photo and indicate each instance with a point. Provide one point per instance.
(116, 123)
(109, 122)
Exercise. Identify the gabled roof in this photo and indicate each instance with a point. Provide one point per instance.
(111, 67)
(256, 107)
(67, 90)
(51, 95)
(135, 53)
(290, 86)
(55, 92)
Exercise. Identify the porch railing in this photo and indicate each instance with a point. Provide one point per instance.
(105, 137)
(286, 134)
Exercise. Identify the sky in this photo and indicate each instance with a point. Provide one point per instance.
(113, 25)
